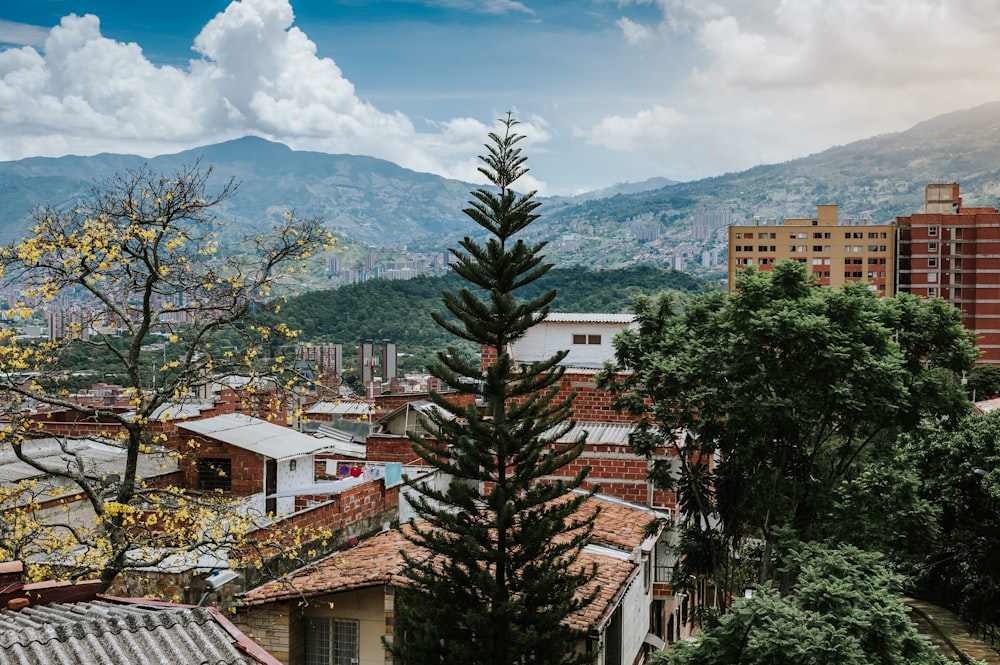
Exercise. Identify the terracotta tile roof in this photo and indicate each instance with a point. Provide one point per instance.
(612, 576)
(377, 561)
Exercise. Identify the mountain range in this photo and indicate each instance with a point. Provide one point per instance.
(378, 203)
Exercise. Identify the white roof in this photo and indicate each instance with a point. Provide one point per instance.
(256, 435)
(588, 317)
(597, 432)
(343, 407)
(99, 459)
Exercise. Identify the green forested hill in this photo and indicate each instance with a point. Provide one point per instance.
(400, 310)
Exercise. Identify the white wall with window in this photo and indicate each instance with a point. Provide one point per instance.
(587, 337)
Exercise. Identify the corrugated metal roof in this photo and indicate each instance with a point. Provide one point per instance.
(256, 435)
(614, 433)
(585, 317)
(99, 459)
(105, 633)
(342, 407)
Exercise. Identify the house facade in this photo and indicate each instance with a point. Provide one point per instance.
(343, 609)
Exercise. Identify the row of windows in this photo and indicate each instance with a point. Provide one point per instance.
(872, 235)
(801, 249)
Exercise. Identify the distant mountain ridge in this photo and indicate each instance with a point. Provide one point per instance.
(379, 203)
(361, 198)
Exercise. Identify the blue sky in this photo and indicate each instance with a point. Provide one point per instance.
(608, 90)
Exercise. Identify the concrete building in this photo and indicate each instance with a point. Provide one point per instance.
(835, 252)
(951, 251)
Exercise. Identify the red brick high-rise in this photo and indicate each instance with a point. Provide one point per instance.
(953, 252)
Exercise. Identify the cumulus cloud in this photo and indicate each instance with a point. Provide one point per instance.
(256, 73)
(788, 77)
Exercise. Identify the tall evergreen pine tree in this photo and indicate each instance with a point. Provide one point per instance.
(501, 569)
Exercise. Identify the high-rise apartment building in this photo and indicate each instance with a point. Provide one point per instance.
(834, 251)
(953, 252)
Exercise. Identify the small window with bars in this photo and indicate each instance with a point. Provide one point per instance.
(215, 474)
(331, 641)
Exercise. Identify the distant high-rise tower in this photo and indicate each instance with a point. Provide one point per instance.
(953, 252)
(390, 370)
(367, 361)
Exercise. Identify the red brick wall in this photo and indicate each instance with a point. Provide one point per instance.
(338, 511)
(247, 467)
(390, 448)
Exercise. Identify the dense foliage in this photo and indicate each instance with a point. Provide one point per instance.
(782, 388)
(501, 572)
(843, 608)
(390, 309)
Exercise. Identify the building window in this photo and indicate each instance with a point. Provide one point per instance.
(215, 474)
(932, 292)
(932, 262)
(331, 641)
(802, 248)
(932, 230)
(932, 247)
(817, 248)
(932, 277)
(826, 236)
(761, 248)
(958, 233)
(817, 235)
(596, 339)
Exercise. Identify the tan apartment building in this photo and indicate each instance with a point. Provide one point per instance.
(835, 252)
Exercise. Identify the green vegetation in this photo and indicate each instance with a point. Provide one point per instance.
(785, 387)
(401, 310)
(502, 572)
(843, 609)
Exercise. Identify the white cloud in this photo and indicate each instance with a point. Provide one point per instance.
(778, 79)
(635, 33)
(256, 74)
(479, 6)
(22, 34)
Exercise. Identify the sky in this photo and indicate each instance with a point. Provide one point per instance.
(607, 91)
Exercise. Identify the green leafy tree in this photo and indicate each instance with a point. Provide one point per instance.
(152, 298)
(843, 608)
(495, 571)
(960, 567)
(983, 382)
(780, 389)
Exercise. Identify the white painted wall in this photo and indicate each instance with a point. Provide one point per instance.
(290, 479)
(549, 337)
(635, 617)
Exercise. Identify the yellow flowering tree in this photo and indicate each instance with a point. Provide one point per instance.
(132, 271)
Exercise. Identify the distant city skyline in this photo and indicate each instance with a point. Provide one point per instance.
(608, 91)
